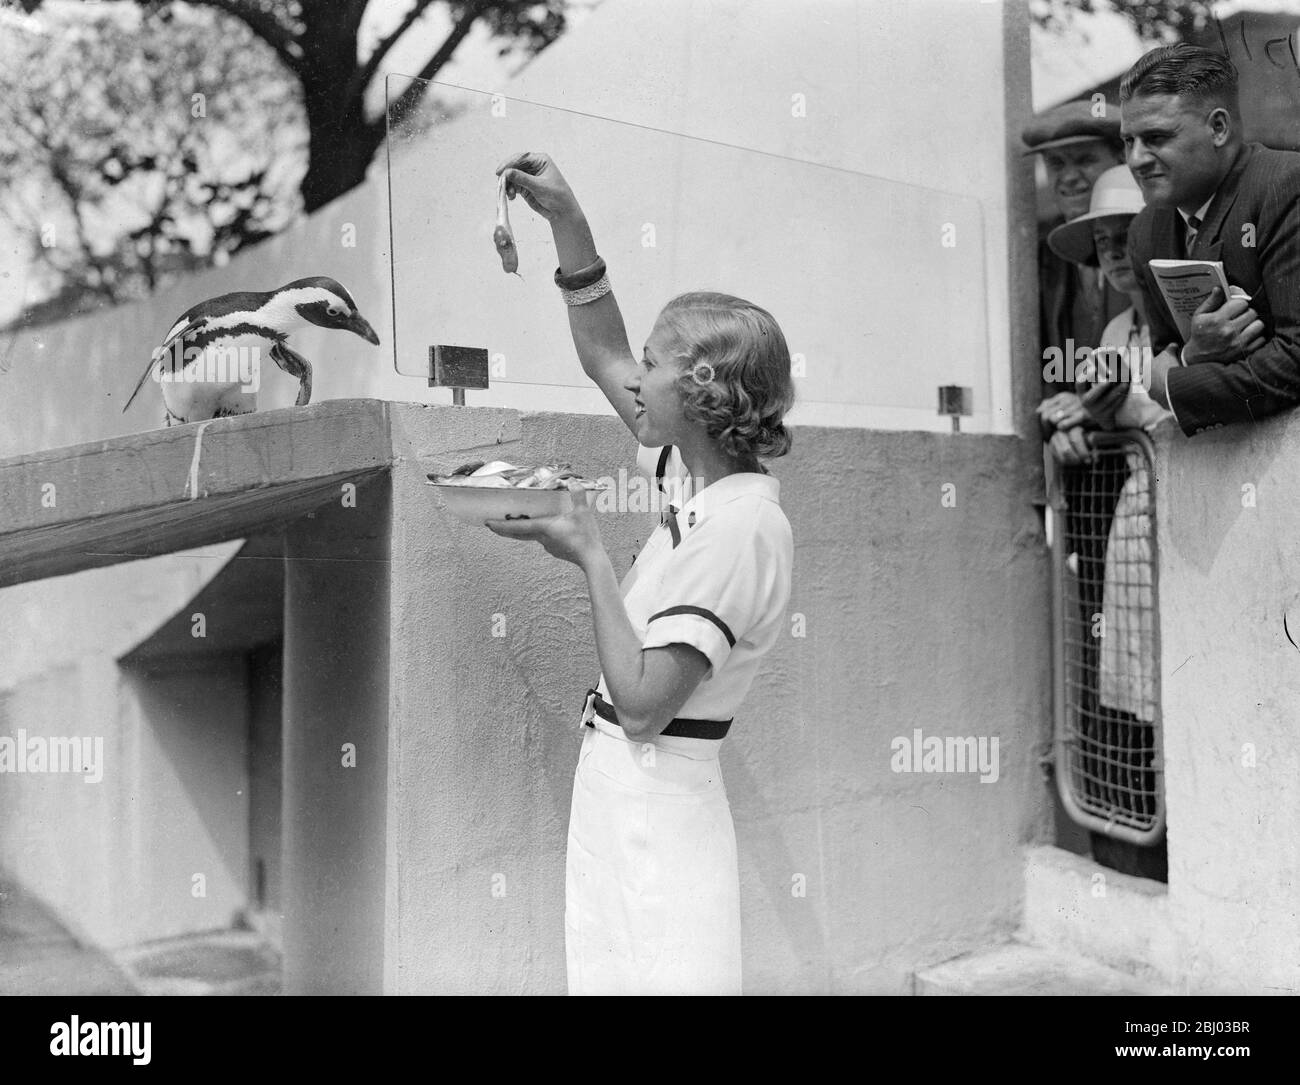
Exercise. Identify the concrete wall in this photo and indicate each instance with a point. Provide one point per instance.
(57, 621)
(1228, 526)
(116, 859)
(1229, 611)
(915, 615)
(455, 662)
(337, 719)
(265, 780)
(184, 789)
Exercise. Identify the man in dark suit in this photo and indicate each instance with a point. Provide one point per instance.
(1212, 197)
(1078, 142)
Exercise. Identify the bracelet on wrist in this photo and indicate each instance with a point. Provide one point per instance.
(587, 294)
(586, 276)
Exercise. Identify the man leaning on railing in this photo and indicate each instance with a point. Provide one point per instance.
(1210, 196)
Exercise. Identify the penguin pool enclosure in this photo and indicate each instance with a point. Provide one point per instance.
(851, 265)
(366, 556)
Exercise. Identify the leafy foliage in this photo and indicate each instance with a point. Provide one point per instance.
(96, 122)
(1165, 20)
(139, 144)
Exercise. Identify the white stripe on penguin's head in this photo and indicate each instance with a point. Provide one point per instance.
(317, 301)
(293, 307)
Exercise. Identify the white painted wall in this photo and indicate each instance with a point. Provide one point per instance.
(116, 859)
(1229, 575)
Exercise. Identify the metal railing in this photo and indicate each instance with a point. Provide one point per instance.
(1108, 740)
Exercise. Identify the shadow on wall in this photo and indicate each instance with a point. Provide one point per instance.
(39, 955)
(1217, 514)
(769, 854)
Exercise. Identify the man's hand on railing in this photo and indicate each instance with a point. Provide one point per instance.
(1065, 410)
(1102, 382)
(1071, 447)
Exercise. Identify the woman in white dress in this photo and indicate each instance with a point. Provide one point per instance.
(652, 899)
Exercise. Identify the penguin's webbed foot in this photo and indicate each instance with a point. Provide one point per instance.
(295, 365)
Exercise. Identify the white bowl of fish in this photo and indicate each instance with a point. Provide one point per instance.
(475, 492)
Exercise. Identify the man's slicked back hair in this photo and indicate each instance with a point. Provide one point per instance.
(1184, 70)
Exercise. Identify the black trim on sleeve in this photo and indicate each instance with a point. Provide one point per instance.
(663, 466)
(731, 641)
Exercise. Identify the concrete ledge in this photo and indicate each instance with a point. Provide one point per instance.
(171, 489)
(1077, 906)
(1020, 969)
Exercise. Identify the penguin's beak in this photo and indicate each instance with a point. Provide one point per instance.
(358, 324)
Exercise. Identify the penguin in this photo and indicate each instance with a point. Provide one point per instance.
(208, 364)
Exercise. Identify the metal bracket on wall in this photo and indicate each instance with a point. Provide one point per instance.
(956, 401)
(458, 368)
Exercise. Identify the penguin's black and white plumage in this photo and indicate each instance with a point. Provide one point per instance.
(208, 363)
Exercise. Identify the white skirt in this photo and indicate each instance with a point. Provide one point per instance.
(1127, 661)
(652, 886)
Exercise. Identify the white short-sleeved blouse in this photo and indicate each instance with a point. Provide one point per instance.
(715, 576)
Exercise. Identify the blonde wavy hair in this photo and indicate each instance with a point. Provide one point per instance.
(736, 376)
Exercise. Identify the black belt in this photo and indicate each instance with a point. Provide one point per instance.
(678, 728)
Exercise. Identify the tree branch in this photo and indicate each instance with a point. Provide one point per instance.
(263, 26)
(72, 192)
(411, 96)
(361, 79)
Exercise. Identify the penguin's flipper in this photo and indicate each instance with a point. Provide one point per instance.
(295, 365)
(180, 332)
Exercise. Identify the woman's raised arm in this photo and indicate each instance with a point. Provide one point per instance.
(599, 333)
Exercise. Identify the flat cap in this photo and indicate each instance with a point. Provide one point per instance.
(1072, 122)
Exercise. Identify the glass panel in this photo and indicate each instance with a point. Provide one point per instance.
(879, 286)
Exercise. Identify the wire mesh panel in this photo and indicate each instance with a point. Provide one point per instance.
(1109, 763)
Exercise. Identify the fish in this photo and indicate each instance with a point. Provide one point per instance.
(503, 237)
(501, 475)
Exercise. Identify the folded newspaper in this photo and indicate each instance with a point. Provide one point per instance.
(1185, 284)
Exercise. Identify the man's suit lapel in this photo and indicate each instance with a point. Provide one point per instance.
(1165, 242)
(1166, 231)
(1209, 240)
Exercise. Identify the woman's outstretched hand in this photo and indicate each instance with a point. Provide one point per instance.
(542, 184)
(574, 536)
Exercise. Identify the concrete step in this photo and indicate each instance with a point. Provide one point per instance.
(60, 968)
(231, 962)
(1016, 968)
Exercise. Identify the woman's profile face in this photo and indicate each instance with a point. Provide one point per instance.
(1110, 234)
(654, 383)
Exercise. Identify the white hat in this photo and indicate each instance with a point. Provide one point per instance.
(1114, 193)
